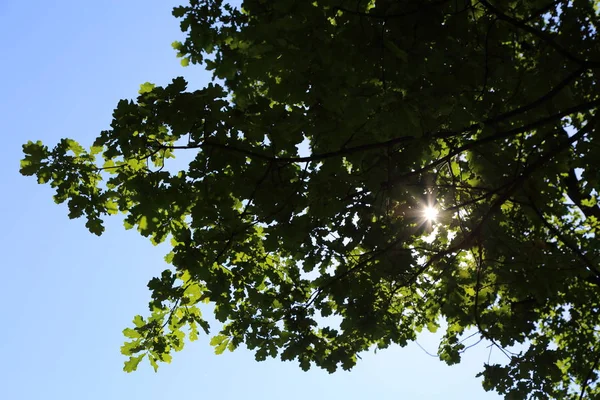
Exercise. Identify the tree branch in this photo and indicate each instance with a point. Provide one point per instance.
(516, 184)
(390, 16)
(500, 135)
(586, 382)
(578, 253)
(403, 139)
(574, 193)
(540, 35)
(541, 100)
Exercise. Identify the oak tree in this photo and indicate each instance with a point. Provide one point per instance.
(361, 170)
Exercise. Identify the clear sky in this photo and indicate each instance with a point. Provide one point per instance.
(67, 294)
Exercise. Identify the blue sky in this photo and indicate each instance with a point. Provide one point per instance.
(68, 294)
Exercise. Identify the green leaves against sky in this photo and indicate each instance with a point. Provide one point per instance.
(329, 129)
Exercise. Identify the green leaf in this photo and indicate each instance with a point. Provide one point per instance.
(153, 363)
(131, 333)
(130, 348)
(219, 342)
(94, 150)
(133, 362)
(166, 357)
(146, 87)
(193, 335)
(138, 321)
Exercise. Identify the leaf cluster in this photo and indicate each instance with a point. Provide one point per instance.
(333, 125)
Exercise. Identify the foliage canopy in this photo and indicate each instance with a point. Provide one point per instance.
(330, 128)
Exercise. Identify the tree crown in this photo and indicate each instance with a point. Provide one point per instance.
(360, 171)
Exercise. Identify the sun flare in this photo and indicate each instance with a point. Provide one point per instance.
(430, 213)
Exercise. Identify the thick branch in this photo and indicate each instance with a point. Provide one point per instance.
(575, 194)
(395, 141)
